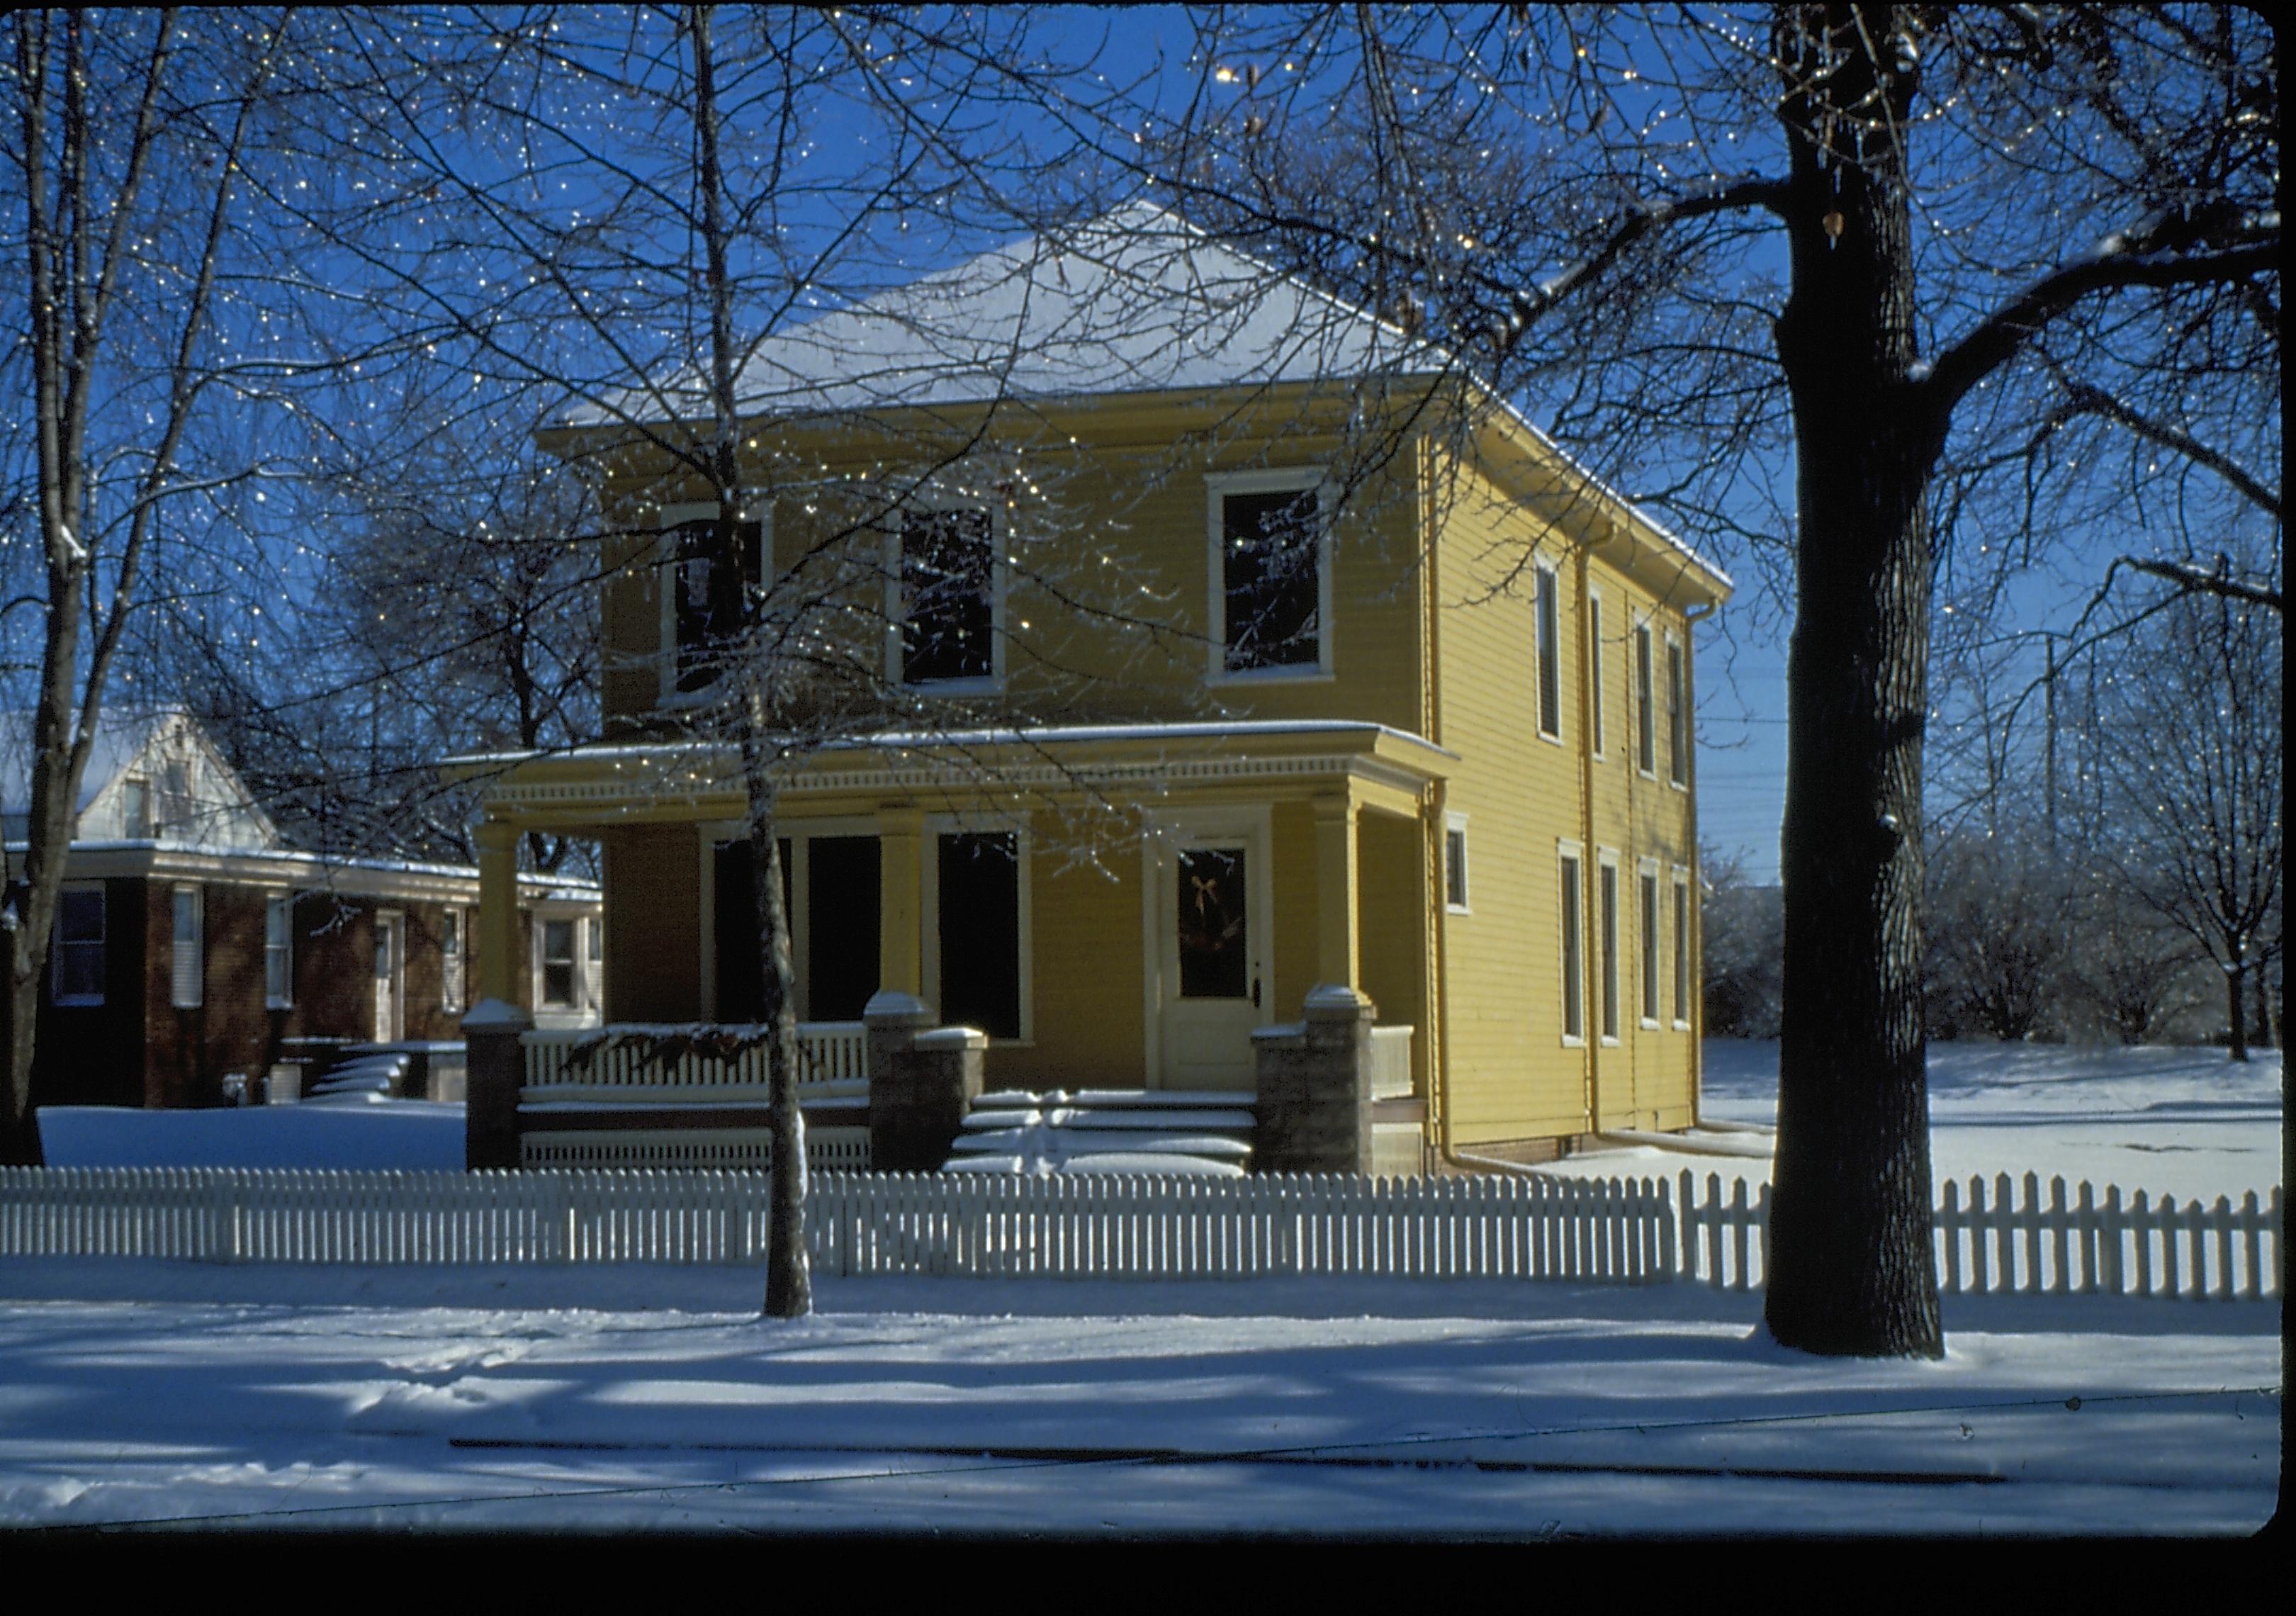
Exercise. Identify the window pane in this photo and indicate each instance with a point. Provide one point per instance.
(1650, 948)
(1594, 669)
(1215, 953)
(841, 955)
(979, 892)
(1550, 657)
(1645, 736)
(79, 914)
(1269, 561)
(1574, 995)
(708, 599)
(1677, 733)
(1608, 940)
(947, 600)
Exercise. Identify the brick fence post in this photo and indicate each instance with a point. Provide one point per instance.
(922, 1079)
(497, 1068)
(1313, 1077)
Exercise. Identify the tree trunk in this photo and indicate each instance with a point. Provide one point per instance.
(789, 1277)
(2236, 976)
(1851, 1268)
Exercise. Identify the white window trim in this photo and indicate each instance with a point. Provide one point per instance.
(1545, 576)
(1217, 486)
(1646, 730)
(1674, 642)
(999, 586)
(754, 508)
(57, 995)
(1456, 824)
(272, 1001)
(197, 996)
(1650, 950)
(1600, 739)
(1608, 994)
(937, 826)
(1685, 978)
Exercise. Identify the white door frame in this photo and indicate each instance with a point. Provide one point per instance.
(1163, 834)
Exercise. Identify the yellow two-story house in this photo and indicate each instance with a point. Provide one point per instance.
(1162, 642)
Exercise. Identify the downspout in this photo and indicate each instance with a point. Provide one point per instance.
(1691, 618)
(1587, 863)
(1437, 978)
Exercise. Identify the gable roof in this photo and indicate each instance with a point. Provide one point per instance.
(125, 738)
(1137, 301)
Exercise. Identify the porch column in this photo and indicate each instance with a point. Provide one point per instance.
(499, 975)
(1337, 903)
(900, 914)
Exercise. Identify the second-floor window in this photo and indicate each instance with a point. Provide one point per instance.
(1550, 654)
(707, 597)
(948, 601)
(1271, 575)
(1678, 727)
(1645, 704)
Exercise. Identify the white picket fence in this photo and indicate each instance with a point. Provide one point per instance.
(1625, 1231)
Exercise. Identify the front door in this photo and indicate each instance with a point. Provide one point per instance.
(1212, 970)
(389, 957)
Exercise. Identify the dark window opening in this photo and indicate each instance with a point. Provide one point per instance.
(79, 951)
(740, 947)
(841, 917)
(1270, 565)
(711, 600)
(558, 988)
(1550, 657)
(979, 892)
(947, 597)
(1215, 953)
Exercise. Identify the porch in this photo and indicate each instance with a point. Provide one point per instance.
(1116, 907)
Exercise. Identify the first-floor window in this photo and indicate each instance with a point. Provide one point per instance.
(1454, 865)
(1574, 975)
(450, 960)
(279, 953)
(1681, 950)
(190, 962)
(979, 889)
(1608, 941)
(1649, 918)
(558, 969)
(79, 952)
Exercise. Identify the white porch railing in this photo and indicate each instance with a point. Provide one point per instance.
(836, 1056)
(1631, 1231)
(1391, 1062)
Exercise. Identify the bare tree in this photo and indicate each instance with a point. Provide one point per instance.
(1879, 233)
(129, 140)
(2193, 727)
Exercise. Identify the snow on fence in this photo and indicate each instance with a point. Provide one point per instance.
(1512, 1226)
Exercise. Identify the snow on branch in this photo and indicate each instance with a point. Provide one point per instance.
(2160, 252)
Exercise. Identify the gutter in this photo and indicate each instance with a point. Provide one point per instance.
(1691, 618)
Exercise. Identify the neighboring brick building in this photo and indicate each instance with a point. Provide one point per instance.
(190, 943)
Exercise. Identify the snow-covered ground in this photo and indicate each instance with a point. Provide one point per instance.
(614, 1398)
(2182, 1122)
(632, 1398)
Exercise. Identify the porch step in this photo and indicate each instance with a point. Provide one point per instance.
(1102, 1130)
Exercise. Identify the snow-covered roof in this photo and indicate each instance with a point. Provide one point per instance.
(190, 796)
(121, 737)
(1135, 302)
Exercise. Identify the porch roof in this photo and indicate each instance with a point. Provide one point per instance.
(701, 779)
